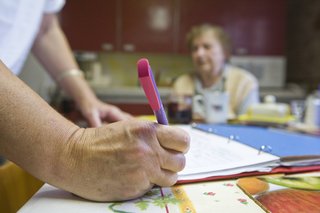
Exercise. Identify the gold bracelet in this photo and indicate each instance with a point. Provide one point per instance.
(68, 73)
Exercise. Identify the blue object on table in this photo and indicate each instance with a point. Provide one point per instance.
(280, 142)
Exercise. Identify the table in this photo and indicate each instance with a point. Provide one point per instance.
(216, 196)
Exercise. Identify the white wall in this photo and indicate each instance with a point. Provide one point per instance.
(269, 70)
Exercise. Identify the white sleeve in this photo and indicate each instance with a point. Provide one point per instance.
(53, 6)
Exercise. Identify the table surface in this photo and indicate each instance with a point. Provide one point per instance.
(217, 196)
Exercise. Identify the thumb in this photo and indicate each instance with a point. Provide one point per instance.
(93, 119)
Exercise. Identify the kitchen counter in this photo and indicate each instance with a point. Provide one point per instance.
(133, 100)
(136, 94)
(286, 94)
(130, 99)
(127, 94)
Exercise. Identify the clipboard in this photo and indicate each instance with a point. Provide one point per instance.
(277, 142)
(269, 152)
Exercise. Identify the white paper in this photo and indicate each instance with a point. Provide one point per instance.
(213, 155)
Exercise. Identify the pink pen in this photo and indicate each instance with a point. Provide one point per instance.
(150, 89)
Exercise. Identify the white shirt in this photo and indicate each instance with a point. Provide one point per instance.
(19, 24)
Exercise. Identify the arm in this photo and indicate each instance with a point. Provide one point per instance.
(53, 51)
(251, 98)
(250, 91)
(31, 132)
(184, 85)
(115, 162)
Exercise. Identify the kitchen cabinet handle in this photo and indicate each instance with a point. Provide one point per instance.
(107, 46)
(129, 47)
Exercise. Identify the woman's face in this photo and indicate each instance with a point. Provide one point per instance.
(207, 54)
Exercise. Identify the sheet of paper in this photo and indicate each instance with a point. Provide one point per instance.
(211, 154)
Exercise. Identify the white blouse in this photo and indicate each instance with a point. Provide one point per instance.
(19, 24)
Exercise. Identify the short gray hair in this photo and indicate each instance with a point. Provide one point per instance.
(217, 31)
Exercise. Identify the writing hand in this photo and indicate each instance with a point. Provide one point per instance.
(123, 160)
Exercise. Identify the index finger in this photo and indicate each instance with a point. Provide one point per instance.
(173, 138)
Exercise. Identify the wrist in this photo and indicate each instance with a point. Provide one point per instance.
(69, 74)
(74, 84)
(66, 158)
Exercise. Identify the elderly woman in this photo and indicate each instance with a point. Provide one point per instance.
(210, 49)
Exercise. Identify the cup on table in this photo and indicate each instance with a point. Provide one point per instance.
(298, 109)
(312, 117)
(212, 106)
(179, 109)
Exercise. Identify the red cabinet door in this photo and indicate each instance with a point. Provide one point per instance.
(256, 27)
(148, 25)
(90, 25)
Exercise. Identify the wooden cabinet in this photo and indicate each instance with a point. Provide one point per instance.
(120, 25)
(148, 25)
(160, 26)
(90, 25)
(256, 27)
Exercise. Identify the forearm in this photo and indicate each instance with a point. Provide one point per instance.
(53, 51)
(32, 133)
(118, 161)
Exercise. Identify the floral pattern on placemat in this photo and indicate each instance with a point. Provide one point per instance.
(153, 201)
(217, 196)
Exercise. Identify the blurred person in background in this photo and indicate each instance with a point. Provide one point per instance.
(210, 49)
